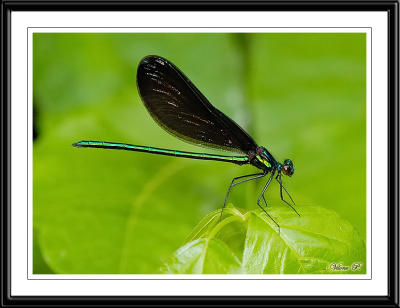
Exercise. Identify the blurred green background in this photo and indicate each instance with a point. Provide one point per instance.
(301, 95)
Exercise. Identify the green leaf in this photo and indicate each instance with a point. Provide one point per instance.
(205, 256)
(317, 242)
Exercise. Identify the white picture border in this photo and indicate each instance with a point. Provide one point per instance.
(23, 282)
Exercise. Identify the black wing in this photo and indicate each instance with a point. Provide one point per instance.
(180, 108)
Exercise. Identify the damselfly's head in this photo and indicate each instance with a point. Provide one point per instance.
(287, 167)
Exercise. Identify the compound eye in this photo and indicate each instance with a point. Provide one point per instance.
(288, 168)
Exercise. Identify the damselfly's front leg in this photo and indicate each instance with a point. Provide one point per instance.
(279, 179)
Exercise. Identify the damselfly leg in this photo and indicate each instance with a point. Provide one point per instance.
(279, 179)
(253, 177)
(266, 205)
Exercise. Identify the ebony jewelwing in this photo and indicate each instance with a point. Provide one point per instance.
(182, 110)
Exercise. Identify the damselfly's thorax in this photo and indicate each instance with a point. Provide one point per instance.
(263, 159)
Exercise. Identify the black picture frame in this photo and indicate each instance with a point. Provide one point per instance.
(391, 7)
